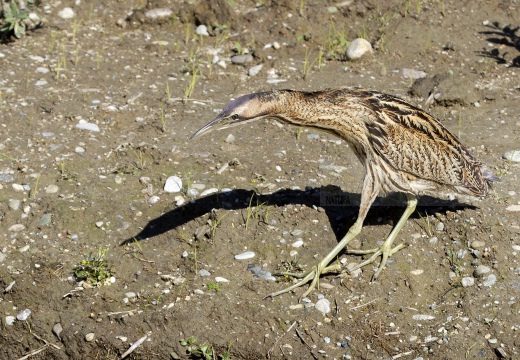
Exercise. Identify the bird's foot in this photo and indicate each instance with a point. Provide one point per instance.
(385, 251)
(313, 275)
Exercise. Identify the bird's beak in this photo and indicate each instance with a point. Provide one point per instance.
(215, 124)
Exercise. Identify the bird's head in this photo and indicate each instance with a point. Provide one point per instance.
(239, 111)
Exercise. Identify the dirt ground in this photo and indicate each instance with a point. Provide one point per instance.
(67, 192)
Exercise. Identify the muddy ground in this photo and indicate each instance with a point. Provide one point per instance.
(67, 192)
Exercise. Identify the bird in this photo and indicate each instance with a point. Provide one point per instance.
(403, 149)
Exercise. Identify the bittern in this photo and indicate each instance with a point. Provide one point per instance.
(403, 149)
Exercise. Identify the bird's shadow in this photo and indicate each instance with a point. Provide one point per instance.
(340, 207)
(506, 36)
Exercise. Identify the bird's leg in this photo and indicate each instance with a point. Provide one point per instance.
(368, 195)
(386, 249)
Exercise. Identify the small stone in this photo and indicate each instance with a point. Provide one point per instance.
(66, 13)
(79, 150)
(490, 281)
(131, 295)
(412, 74)
(481, 270)
(154, 199)
(254, 70)
(298, 243)
(99, 224)
(179, 200)
(278, 168)
(358, 48)
(158, 14)
(88, 126)
(242, 59)
(209, 191)
(296, 232)
(42, 70)
(41, 83)
(245, 255)
(57, 329)
(230, 139)
(220, 279)
(417, 272)
(17, 227)
(52, 189)
(46, 219)
(89, 337)
(439, 227)
(478, 244)
(204, 273)
(467, 281)
(513, 208)
(2, 257)
(173, 184)
(9, 320)
(512, 155)
(14, 204)
(296, 307)
(276, 45)
(202, 30)
(23, 315)
(422, 317)
(18, 187)
(326, 339)
(323, 306)
(332, 9)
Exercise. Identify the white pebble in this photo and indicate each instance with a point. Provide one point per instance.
(298, 243)
(202, 30)
(41, 83)
(158, 13)
(87, 126)
(52, 189)
(42, 70)
(154, 199)
(423, 317)
(66, 13)
(467, 281)
(173, 184)
(512, 155)
(245, 255)
(254, 70)
(16, 227)
(230, 139)
(89, 337)
(358, 48)
(23, 315)
(276, 45)
(79, 150)
(209, 192)
(179, 200)
(323, 306)
(9, 320)
(413, 74)
(220, 279)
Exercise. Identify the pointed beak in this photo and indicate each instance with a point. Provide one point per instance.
(213, 125)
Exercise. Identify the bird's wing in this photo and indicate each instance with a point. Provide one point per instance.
(413, 141)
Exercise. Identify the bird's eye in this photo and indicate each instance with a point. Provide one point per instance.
(234, 117)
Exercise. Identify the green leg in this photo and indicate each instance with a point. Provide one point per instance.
(368, 195)
(386, 249)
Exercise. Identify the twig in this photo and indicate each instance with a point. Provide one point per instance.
(402, 354)
(46, 342)
(303, 341)
(34, 352)
(365, 304)
(135, 345)
(121, 312)
(278, 339)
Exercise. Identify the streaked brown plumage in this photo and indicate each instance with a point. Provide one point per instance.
(403, 149)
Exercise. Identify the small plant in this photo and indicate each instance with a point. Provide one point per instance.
(161, 116)
(203, 351)
(307, 64)
(15, 16)
(426, 224)
(213, 286)
(195, 73)
(94, 269)
(34, 191)
(215, 225)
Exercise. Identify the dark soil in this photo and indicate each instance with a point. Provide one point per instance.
(114, 67)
